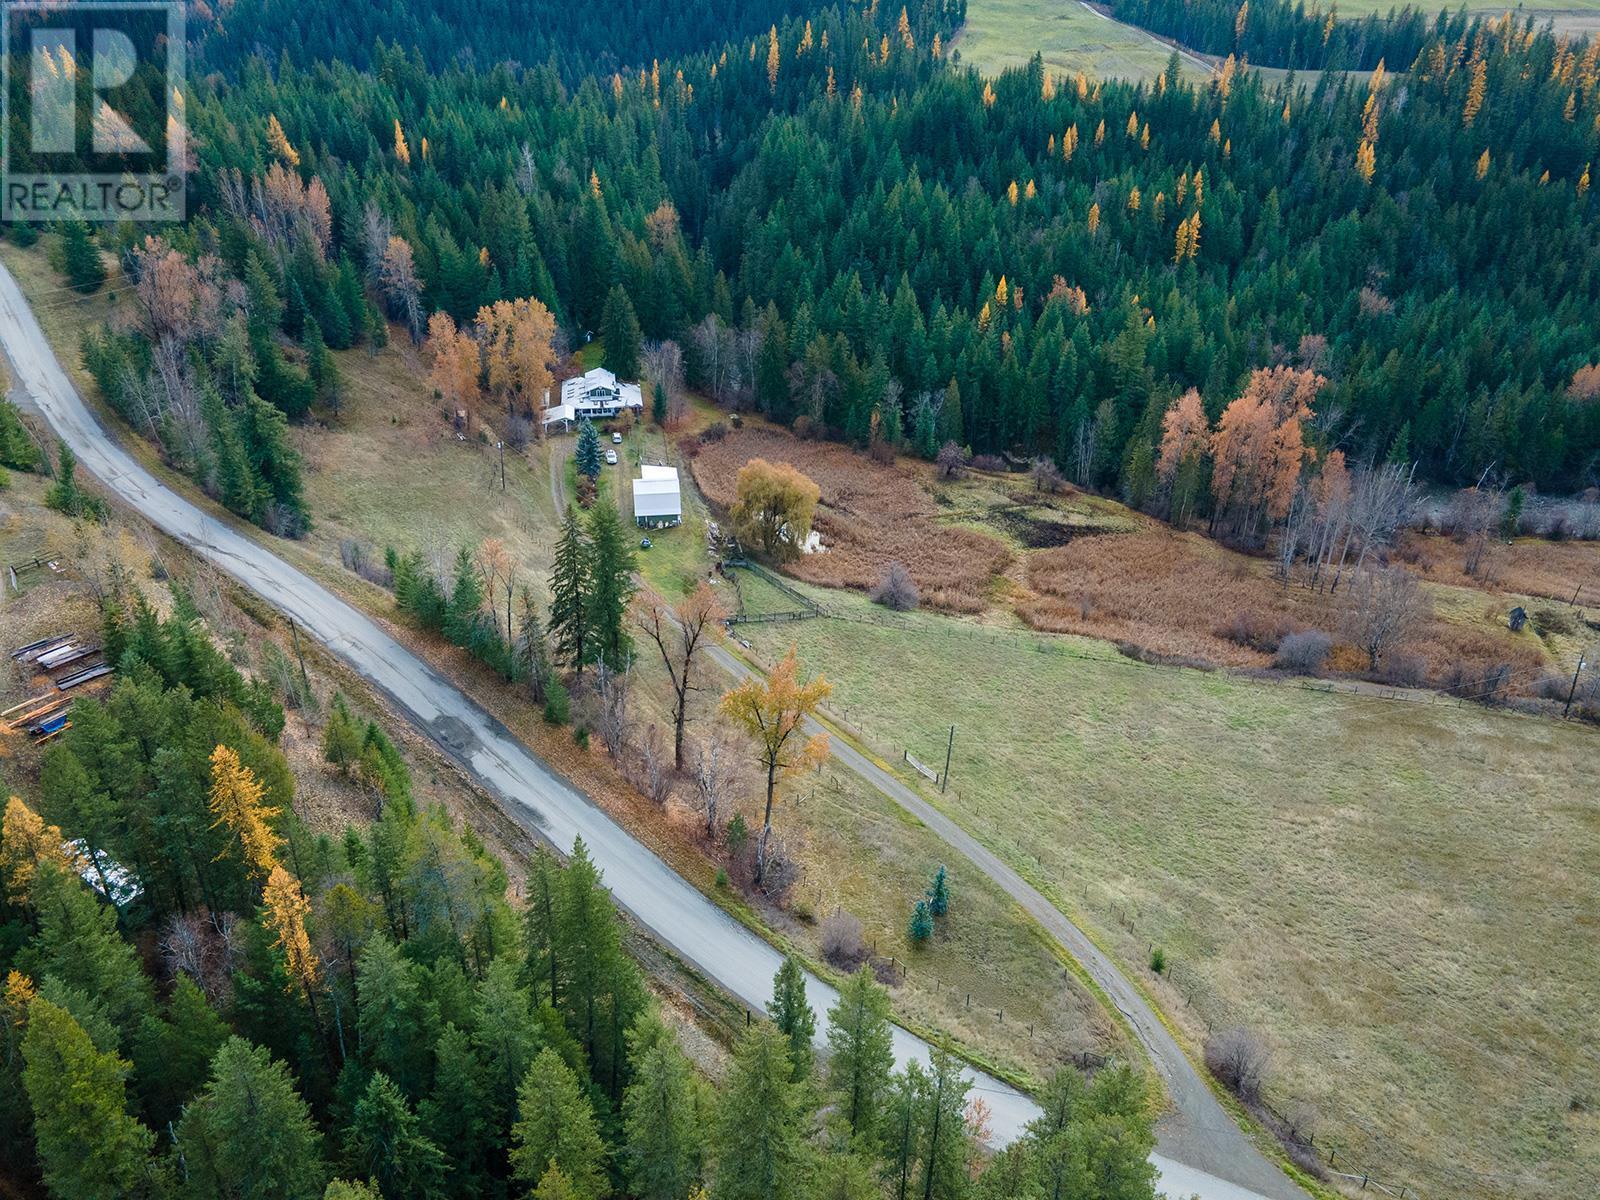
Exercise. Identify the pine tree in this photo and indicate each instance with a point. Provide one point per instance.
(388, 1146)
(588, 452)
(660, 1115)
(89, 1146)
(78, 944)
(569, 595)
(759, 1130)
(555, 1126)
(611, 587)
(861, 1052)
(946, 1142)
(793, 1015)
(619, 329)
(249, 1135)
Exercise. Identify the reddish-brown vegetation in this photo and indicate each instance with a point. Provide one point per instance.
(1180, 596)
(869, 516)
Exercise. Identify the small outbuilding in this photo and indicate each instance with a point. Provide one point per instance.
(657, 498)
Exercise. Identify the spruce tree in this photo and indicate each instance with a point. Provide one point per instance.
(88, 1144)
(78, 944)
(506, 1035)
(80, 257)
(569, 594)
(660, 1115)
(249, 1135)
(555, 1126)
(939, 893)
(611, 587)
(458, 1114)
(793, 1015)
(388, 1146)
(861, 1052)
(619, 328)
(759, 1133)
(920, 928)
(588, 452)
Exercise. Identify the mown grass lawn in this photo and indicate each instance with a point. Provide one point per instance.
(1399, 896)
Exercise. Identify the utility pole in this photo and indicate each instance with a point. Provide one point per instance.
(501, 446)
(944, 780)
(1573, 690)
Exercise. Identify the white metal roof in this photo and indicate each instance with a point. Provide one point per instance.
(656, 493)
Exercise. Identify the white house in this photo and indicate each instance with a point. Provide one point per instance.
(598, 395)
(656, 497)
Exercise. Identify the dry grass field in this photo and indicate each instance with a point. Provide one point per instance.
(1398, 896)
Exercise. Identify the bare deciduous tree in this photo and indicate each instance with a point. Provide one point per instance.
(952, 461)
(1385, 608)
(679, 634)
(610, 707)
(714, 769)
(1471, 518)
(663, 370)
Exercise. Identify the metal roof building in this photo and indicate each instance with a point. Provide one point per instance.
(657, 499)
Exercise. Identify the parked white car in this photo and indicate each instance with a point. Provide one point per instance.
(611, 457)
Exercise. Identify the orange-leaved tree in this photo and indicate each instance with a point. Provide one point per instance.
(26, 842)
(1259, 448)
(773, 712)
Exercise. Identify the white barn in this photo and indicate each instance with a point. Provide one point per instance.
(657, 499)
(597, 394)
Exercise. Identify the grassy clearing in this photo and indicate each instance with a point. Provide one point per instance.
(1001, 34)
(1397, 895)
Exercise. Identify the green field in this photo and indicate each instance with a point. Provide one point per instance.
(1398, 896)
(1001, 34)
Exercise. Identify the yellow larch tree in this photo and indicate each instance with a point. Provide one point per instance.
(237, 804)
(1483, 163)
(1215, 133)
(1133, 200)
(278, 142)
(988, 94)
(1133, 124)
(806, 42)
(1475, 90)
(1366, 161)
(773, 58)
(26, 841)
(1094, 218)
(1583, 181)
(904, 29)
(938, 48)
(1047, 90)
(1199, 186)
(1002, 292)
(287, 909)
(402, 151)
(1100, 134)
(1240, 20)
(883, 49)
(1029, 192)
(1011, 193)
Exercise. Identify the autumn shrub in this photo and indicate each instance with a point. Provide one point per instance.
(842, 941)
(1403, 670)
(1238, 1060)
(1486, 682)
(1256, 630)
(895, 590)
(713, 432)
(988, 462)
(1303, 652)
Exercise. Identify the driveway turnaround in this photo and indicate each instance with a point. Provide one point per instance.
(650, 891)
